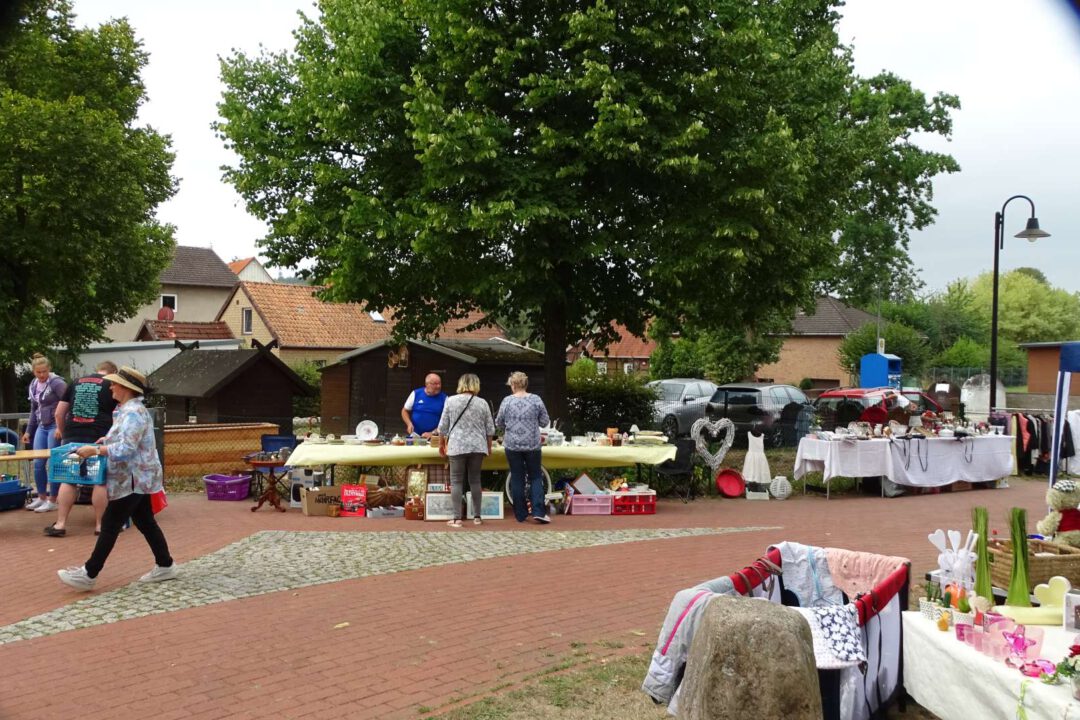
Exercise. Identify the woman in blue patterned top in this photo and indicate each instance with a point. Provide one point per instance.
(520, 416)
(133, 475)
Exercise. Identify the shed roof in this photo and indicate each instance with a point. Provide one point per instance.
(173, 330)
(466, 349)
(202, 373)
(197, 266)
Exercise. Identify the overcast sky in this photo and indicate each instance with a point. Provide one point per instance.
(1014, 65)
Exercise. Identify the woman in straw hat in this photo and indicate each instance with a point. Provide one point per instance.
(133, 475)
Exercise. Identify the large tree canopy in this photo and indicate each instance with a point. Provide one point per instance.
(80, 181)
(572, 161)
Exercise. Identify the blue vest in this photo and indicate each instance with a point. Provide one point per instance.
(426, 410)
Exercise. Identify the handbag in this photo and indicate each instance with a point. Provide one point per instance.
(444, 441)
(158, 502)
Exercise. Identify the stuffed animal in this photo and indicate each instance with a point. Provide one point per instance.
(1062, 525)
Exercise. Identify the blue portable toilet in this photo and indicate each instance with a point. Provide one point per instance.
(880, 370)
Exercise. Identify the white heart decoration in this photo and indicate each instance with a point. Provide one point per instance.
(715, 429)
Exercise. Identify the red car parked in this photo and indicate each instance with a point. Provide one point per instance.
(840, 406)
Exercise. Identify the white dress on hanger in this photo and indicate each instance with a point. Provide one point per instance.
(756, 466)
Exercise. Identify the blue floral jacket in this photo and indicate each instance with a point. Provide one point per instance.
(133, 461)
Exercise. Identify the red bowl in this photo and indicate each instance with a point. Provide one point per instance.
(730, 483)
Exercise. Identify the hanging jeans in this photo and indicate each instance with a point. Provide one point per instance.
(44, 439)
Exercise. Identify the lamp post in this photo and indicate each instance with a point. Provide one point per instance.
(1031, 233)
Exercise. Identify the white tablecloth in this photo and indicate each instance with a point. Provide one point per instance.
(956, 682)
(928, 462)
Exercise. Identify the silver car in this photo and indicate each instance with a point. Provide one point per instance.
(680, 401)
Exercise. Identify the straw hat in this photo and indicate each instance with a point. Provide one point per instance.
(130, 378)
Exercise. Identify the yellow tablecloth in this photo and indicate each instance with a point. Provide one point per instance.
(555, 457)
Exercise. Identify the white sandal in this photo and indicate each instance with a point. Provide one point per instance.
(454, 523)
(477, 521)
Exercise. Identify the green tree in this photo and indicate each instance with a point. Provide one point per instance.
(1029, 310)
(943, 317)
(900, 340)
(964, 353)
(80, 182)
(717, 355)
(892, 193)
(574, 162)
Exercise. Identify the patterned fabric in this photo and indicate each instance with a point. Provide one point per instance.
(133, 461)
(472, 431)
(837, 639)
(521, 418)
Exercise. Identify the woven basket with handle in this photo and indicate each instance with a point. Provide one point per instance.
(1045, 560)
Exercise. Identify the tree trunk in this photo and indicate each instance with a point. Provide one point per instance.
(555, 363)
(7, 390)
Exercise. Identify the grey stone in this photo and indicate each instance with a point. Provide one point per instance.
(750, 659)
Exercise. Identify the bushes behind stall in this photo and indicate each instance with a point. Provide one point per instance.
(596, 402)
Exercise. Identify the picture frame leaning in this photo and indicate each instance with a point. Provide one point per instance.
(438, 506)
(491, 506)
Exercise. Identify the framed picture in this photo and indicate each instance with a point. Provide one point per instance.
(415, 482)
(437, 506)
(491, 507)
(438, 487)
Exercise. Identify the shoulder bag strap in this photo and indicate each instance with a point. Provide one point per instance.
(460, 416)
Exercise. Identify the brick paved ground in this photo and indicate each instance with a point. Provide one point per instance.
(415, 639)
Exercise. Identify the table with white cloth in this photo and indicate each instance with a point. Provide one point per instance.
(309, 454)
(918, 462)
(957, 682)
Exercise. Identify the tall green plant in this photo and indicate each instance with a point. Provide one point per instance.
(980, 522)
(1018, 594)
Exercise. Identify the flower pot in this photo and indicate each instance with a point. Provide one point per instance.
(1075, 686)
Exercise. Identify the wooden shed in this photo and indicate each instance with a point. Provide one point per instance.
(372, 382)
(228, 386)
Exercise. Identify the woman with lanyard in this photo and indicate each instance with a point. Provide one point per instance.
(133, 475)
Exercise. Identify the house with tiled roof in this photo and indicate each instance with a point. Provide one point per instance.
(186, 331)
(629, 354)
(250, 270)
(811, 349)
(193, 286)
(308, 328)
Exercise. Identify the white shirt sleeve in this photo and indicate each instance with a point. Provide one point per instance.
(409, 402)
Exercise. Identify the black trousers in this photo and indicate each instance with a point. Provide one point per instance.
(136, 507)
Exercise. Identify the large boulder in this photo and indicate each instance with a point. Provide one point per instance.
(750, 659)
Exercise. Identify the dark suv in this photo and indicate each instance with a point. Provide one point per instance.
(761, 407)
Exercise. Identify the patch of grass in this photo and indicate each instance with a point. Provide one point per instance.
(594, 689)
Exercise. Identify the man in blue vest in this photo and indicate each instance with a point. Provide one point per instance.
(424, 406)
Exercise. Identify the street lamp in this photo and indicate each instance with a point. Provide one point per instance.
(1031, 233)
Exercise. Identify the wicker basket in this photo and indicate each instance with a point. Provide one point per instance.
(1058, 560)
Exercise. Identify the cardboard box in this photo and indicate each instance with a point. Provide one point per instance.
(353, 500)
(316, 501)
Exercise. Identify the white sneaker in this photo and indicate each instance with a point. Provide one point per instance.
(35, 504)
(543, 519)
(47, 506)
(77, 578)
(161, 574)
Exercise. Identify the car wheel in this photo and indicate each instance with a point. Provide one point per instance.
(670, 426)
(775, 437)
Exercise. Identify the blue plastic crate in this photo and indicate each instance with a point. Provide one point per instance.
(15, 499)
(63, 469)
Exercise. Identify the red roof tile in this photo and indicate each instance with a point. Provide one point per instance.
(172, 330)
(237, 266)
(297, 318)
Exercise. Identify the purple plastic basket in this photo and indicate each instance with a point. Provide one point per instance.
(227, 487)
